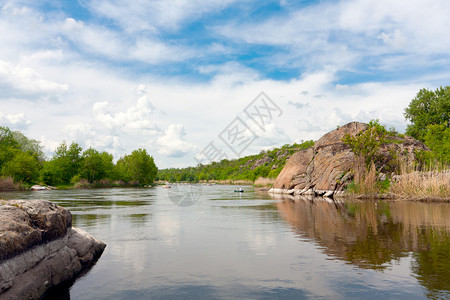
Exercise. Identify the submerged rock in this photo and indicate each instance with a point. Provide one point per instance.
(40, 249)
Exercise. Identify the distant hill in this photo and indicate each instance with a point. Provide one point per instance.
(265, 164)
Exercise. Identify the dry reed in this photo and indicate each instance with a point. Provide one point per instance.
(431, 183)
(264, 181)
(365, 181)
(7, 184)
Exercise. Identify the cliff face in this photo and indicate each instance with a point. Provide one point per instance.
(325, 168)
(39, 248)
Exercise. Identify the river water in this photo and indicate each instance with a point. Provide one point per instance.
(249, 245)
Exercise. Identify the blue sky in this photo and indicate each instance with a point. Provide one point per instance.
(169, 76)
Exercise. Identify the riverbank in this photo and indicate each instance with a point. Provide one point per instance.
(8, 185)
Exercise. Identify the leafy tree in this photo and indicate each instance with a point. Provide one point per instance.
(438, 139)
(68, 161)
(17, 158)
(95, 165)
(51, 173)
(138, 167)
(28, 145)
(64, 165)
(22, 168)
(428, 108)
(367, 143)
(8, 145)
(7, 137)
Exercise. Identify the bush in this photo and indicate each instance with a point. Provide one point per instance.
(367, 144)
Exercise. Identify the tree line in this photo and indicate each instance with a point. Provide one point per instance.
(23, 160)
(266, 164)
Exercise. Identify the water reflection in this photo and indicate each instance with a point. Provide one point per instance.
(248, 245)
(432, 264)
(374, 235)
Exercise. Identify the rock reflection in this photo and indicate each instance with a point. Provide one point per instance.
(372, 235)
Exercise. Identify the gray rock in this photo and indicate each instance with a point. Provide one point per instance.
(39, 248)
(27, 223)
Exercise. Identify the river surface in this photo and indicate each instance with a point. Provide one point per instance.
(249, 245)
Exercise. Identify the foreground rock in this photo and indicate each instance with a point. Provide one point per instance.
(39, 248)
(326, 168)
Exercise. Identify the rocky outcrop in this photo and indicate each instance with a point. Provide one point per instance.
(326, 168)
(39, 248)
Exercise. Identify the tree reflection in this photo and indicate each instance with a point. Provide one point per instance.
(432, 263)
(372, 235)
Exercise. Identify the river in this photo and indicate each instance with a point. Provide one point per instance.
(230, 245)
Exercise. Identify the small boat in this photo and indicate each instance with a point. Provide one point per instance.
(166, 186)
(240, 190)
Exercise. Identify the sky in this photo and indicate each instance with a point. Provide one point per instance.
(179, 78)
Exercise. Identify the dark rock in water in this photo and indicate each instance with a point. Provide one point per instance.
(325, 168)
(40, 249)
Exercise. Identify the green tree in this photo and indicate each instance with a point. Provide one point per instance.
(64, 165)
(438, 139)
(138, 166)
(8, 145)
(68, 161)
(428, 108)
(50, 173)
(28, 145)
(22, 168)
(95, 165)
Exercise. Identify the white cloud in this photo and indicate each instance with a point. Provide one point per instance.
(49, 145)
(137, 118)
(14, 121)
(173, 143)
(349, 31)
(87, 137)
(18, 81)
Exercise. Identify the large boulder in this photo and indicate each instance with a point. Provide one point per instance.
(294, 172)
(39, 248)
(27, 223)
(325, 168)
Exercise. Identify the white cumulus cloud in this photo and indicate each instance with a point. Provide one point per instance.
(14, 121)
(173, 143)
(19, 81)
(136, 118)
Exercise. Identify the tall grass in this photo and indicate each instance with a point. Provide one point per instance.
(263, 181)
(431, 183)
(7, 184)
(364, 181)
